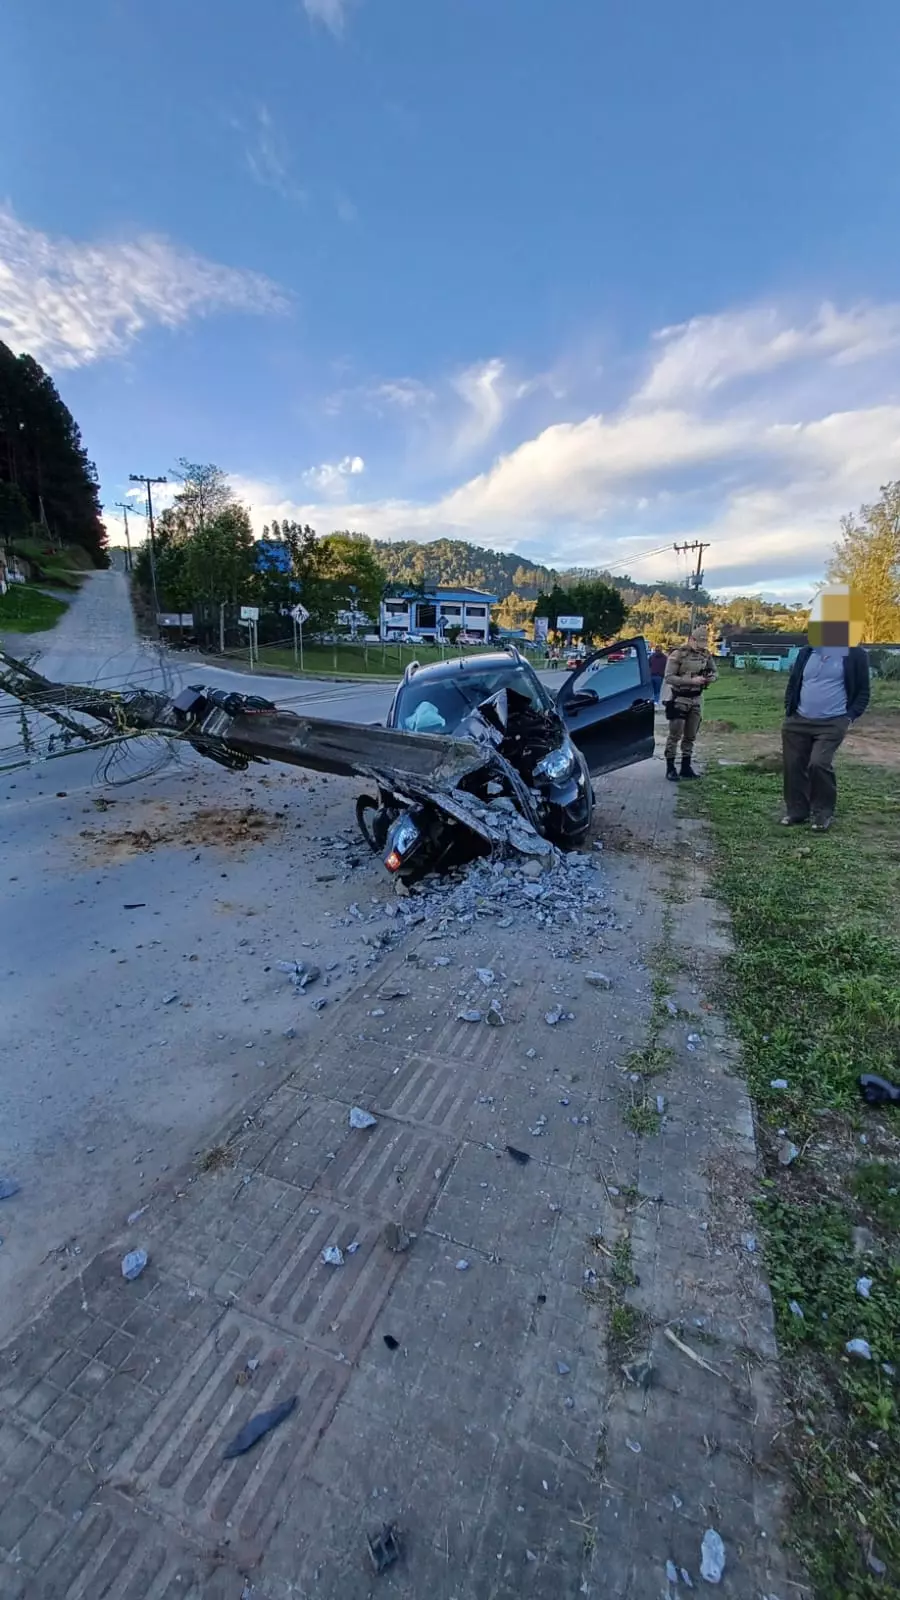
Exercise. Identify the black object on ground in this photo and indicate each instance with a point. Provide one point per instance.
(878, 1091)
(391, 1342)
(258, 1427)
(521, 1156)
(384, 1548)
(134, 905)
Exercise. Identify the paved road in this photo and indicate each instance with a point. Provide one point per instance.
(104, 1087)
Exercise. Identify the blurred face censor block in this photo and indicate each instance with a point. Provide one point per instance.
(836, 618)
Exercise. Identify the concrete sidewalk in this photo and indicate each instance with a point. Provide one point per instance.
(498, 1432)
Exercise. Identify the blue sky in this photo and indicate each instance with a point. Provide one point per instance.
(574, 278)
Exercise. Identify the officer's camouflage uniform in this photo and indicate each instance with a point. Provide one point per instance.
(683, 709)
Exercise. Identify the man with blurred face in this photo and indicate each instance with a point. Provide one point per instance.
(827, 691)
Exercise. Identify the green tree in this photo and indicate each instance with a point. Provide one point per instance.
(355, 577)
(42, 455)
(204, 494)
(867, 558)
(220, 558)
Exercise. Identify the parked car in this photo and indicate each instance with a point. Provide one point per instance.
(602, 718)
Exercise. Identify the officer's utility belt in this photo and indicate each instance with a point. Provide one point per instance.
(673, 710)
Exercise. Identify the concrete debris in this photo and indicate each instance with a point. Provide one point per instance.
(860, 1348)
(555, 1016)
(748, 1240)
(362, 1119)
(661, 1104)
(795, 1309)
(169, 999)
(393, 992)
(320, 1004)
(133, 1264)
(468, 1016)
(787, 1153)
(485, 976)
(563, 1369)
(672, 1008)
(332, 1256)
(598, 980)
(671, 1572)
(712, 1553)
(633, 1446)
(495, 1016)
(864, 1287)
(462, 1266)
(310, 975)
(133, 1215)
(778, 1083)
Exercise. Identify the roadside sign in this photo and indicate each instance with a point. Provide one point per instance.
(570, 624)
(300, 614)
(249, 613)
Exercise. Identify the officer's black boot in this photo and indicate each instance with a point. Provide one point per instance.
(687, 770)
(671, 772)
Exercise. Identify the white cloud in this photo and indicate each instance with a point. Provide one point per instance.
(482, 391)
(333, 474)
(70, 304)
(706, 353)
(333, 13)
(268, 160)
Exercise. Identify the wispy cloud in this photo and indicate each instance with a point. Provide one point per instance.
(765, 474)
(268, 160)
(332, 475)
(71, 303)
(333, 13)
(701, 356)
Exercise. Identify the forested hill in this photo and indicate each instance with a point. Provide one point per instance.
(43, 463)
(454, 562)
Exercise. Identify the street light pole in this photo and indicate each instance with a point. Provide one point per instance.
(137, 477)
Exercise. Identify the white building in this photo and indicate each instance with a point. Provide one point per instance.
(430, 613)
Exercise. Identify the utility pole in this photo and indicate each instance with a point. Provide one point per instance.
(124, 507)
(695, 580)
(137, 477)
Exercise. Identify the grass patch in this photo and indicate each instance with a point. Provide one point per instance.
(641, 1118)
(624, 1326)
(813, 994)
(26, 609)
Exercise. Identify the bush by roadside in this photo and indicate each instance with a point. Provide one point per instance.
(27, 609)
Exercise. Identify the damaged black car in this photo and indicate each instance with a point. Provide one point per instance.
(546, 750)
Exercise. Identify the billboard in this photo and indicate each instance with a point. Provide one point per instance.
(541, 627)
(570, 624)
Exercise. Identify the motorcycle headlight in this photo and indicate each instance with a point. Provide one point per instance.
(557, 765)
(404, 836)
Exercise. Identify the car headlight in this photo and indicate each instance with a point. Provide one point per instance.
(404, 836)
(557, 765)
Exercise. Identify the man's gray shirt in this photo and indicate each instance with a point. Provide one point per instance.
(822, 692)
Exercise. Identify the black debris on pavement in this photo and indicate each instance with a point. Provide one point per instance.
(521, 1156)
(384, 1548)
(258, 1427)
(391, 1342)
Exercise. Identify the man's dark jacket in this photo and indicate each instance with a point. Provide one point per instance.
(856, 681)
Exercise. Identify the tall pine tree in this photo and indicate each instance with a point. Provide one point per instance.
(41, 455)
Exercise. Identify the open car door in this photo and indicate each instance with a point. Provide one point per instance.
(607, 706)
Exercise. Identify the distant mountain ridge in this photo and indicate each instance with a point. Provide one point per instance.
(456, 563)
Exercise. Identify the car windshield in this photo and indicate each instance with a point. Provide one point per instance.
(439, 705)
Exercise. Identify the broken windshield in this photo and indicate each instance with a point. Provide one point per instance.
(440, 704)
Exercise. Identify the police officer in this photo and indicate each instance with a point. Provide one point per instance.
(689, 670)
